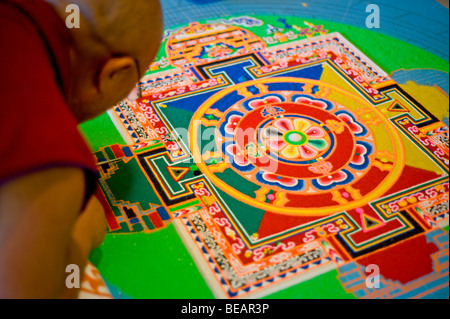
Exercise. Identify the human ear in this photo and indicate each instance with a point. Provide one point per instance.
(117, 75)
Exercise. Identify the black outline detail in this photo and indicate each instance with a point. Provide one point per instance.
(154, 181)
(416, 230)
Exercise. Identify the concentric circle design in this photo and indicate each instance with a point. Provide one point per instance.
(309, 149)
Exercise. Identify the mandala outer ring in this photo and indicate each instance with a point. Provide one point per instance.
(397, 168)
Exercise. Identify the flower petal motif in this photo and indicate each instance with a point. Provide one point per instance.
(304, 99)
(264, 101)
(286, 181)
(301, 125)
(311, 102)
(314, 132)
(284, 125)
(360, 151)
(276, 144)
(354, 126)
(360, 160)
(291, 151)
(283, 182)
(231, 124)
(318, 144)
(333, 178)
(228, 127)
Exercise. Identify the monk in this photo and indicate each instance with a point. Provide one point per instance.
(55, 75)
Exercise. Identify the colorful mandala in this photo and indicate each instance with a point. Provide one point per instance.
(309, 143)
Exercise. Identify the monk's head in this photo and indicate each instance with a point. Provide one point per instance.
(113, 47)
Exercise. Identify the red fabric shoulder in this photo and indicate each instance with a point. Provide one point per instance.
(37, 129)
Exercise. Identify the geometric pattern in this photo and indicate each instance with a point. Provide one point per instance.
(280, 160)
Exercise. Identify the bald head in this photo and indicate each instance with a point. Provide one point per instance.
(114, 36)
(120, 26)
